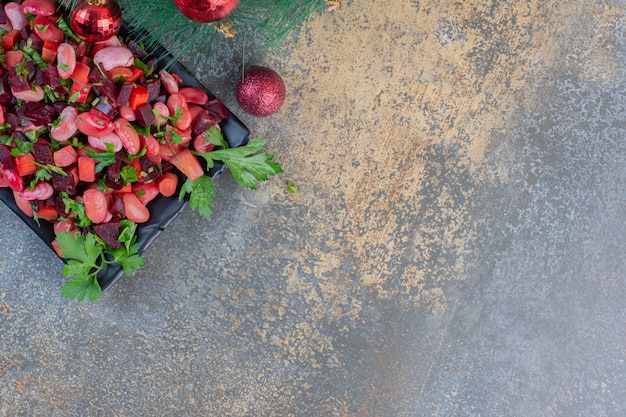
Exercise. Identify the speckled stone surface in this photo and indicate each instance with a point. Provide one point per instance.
(455, 246)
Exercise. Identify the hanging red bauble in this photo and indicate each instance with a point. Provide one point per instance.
(206, 11)
(96, 20)
(261, 91)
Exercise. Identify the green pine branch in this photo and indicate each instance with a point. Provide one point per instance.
(269, 22)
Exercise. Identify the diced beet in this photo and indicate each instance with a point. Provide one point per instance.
(214, 113)
(29, 66)
(64, 183)
(80, 48)
(13, 121)
(136, 49)
(114, 169)
(40, 113)
(218, 109)
(151, 170)
(144, 115)
(20, 113)
(51, 202)
(152, 63)
(36, 204)
(42, 153)
(116, 207)
(51, 77)
(5, 157)
(205, 120)
(166, 166)
(113, 173)
(106, 108)
(40, 78)
(18, 82)
(124, 94)
(59, 106)
(113, 184)
(109, 232)
(5, 91)
(25, 31)
(106, 89)
(154, 89)
(36, 43)
(102, 85)
(59, 206)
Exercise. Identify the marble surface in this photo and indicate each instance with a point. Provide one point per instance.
(455, 246)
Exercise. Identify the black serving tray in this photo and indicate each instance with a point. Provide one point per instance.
(163, 210)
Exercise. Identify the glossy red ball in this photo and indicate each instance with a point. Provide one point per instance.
(261, 91)
(96, 20)
(206, 11)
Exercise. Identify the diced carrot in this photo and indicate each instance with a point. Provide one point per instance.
(48, 213)
(168, 183)
(138, 96)
(80, 91)
(81, 72)
(137, 166)
(188, 164)
(86, 169)
(49, 51)
(136, 73)
(51, 45)
(10, 38)
(25, 164)
(120, 72)
(65, 156)
(13, 58)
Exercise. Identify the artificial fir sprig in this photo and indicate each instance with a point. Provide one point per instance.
(268, 22)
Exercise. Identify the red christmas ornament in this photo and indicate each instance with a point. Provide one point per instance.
(261, 91)
(206, 11)
(96, 20)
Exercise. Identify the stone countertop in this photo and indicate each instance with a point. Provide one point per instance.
(455, 246)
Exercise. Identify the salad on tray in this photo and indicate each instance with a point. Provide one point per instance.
(92, 132)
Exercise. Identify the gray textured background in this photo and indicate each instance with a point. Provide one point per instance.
(455, 246)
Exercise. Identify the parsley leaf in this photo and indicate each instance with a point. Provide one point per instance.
(78, 209)
(65, 27)
(201, 192)
(85, 258)
(147, 70)
(128, 174)
(127, 261)
(33, 55)
(104, 158)
(247, 164)
(214, 136)
(87, 255)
